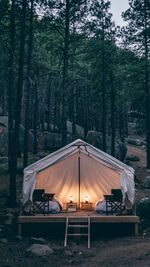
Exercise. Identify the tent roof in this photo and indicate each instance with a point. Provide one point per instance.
(72, 148)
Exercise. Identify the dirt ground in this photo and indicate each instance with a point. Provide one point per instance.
(127, 251)
(123, 252)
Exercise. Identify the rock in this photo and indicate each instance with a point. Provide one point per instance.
(143, 208)
(4, 120)
(40, 250)
(4, 139)
(144, 224)
(1, 226)
(6, 265)
(132, 158)
(70, 261)
(95, 139)
(146, 232)
(79, 130)
(79, 253)
(146, 182)
(18, 237)
(4, 240)
(136, 142)
(10, 210)
(9, 218)
(38, 240)
(73, 261)
(68, 252)
(3, 160)
(4, 143)
(50, 141)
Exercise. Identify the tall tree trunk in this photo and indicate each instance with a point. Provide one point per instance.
(147, 86)
(122, 123)
(54, 120)
(113, 128)
(74, 111)
(18, 104)
(49, 103)
(86, 113)
(12, 185)
(4, 101)
(65, 73)
(35, 118)
(104, 117)
(28, 87)
(147, 103)
(42, 103)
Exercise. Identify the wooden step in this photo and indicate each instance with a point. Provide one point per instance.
(77, 234)
(77, 226)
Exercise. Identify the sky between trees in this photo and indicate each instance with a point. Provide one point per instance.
(117, 7)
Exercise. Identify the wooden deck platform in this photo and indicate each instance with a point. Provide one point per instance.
(79, 216)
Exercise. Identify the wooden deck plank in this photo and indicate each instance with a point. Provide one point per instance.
(77, 217)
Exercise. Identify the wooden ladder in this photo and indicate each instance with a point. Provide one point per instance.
(76, 226)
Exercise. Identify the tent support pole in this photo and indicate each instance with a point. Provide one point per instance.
(79, 181)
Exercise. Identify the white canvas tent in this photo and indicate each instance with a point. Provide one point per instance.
(78, 170)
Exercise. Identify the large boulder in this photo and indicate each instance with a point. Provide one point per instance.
(3, 160)
(39, 240)
(4, 120)
(136, 142)
(131, 157)
(79, 129)
(40, 250)
(4, 141)
(49, 140)
(146, 182)
(4, 144)
(95, 139)
(143, 208)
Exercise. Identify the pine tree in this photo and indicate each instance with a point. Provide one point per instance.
(17, 117)
(28, 87)
(138, 39)
(101, 27)
(12, 186)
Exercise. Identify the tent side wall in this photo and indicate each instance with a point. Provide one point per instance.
(96, 179)
(58, 173)
(61, 179)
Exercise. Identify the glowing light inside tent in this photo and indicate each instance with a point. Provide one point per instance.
(86, 199)
(63, 179)
(71, 199)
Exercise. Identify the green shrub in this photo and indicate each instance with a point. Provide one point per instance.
(143, 208)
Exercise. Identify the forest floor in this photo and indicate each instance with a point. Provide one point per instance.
(122, 251)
